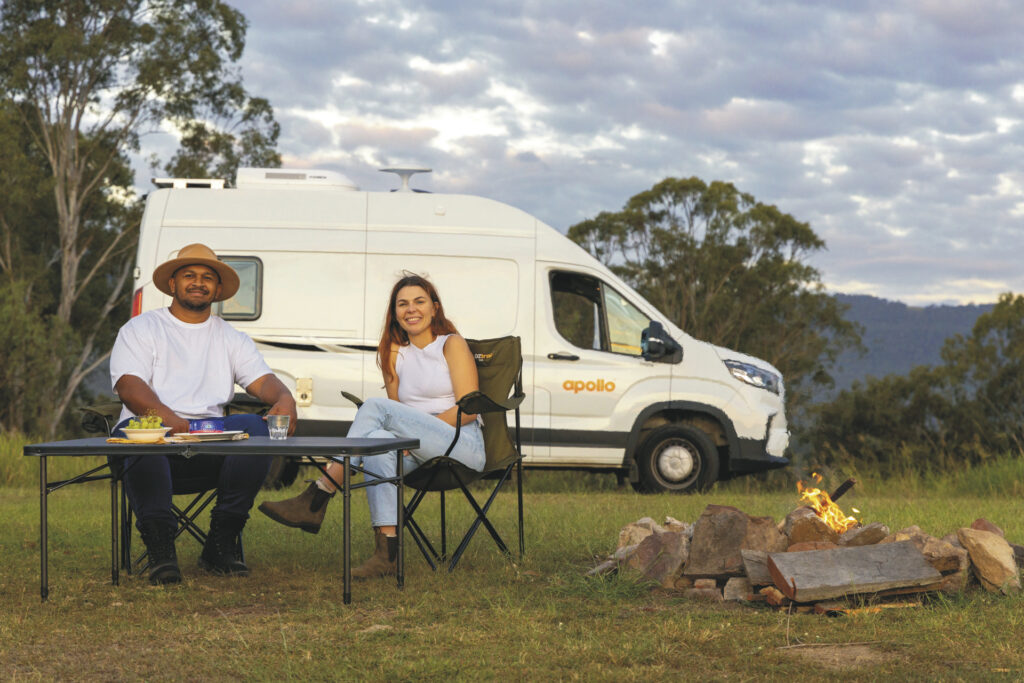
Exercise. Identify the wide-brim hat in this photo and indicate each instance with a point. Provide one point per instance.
(197, 254)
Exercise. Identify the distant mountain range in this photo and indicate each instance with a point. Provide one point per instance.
(898, 337)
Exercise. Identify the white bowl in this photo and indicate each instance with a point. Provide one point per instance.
(148, 435)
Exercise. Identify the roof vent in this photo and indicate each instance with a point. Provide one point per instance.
(269, 178)
(405, 174)
(186, 183)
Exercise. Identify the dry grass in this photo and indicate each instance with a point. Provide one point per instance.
(537, 620)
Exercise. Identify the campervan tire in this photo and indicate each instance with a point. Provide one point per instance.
(677, 458)
(283, 473)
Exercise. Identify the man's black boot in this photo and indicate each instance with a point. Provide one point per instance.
(221, 554)
(163, 560)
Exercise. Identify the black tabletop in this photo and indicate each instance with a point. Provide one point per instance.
(261, 445)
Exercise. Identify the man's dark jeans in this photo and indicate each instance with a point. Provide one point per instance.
(150, 480)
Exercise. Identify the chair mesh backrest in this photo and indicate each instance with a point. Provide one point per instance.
(498, 364)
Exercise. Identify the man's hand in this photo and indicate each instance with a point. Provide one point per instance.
(286, 407)
(141, 399)
(270, 389)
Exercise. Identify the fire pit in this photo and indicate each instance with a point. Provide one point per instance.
(818, 557)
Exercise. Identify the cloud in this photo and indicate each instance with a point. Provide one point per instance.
(895, 130)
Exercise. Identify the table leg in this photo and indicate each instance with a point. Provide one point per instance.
(346, 562)
(401, 521)
(44, 590)
(114, 564)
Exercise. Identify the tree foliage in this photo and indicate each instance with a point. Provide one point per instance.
(729, 270)
(964, 410)
(82, 82)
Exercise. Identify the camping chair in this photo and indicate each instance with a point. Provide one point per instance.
(499, 366)
(102, 418)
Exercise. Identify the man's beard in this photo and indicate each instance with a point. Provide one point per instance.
(194, 307)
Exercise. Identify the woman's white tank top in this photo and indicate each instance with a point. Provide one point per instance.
(424, 381)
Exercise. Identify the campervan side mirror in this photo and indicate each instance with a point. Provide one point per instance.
(658, 346)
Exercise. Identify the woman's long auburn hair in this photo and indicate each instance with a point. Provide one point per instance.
(393, 335)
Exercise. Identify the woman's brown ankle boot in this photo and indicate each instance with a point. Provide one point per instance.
(383, 562)
(305, 511)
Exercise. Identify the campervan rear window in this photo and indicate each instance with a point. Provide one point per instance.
(247, 303)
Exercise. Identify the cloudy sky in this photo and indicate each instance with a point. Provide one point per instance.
(894, 128)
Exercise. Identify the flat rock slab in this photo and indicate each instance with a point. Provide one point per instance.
(825, 574)
(755, 562)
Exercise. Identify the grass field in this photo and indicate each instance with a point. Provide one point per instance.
(538, 619)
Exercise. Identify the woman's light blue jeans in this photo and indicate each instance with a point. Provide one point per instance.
(382, 418)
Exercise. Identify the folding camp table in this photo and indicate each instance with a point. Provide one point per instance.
(308, 449)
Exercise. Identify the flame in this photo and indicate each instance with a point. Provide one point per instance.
(825, 508)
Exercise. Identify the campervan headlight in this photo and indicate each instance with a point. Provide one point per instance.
(755, 376)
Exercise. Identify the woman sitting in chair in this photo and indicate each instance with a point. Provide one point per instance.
(426, 365)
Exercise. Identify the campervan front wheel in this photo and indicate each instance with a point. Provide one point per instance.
(676, 457)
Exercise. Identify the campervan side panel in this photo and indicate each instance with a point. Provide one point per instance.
(266, 209)
(431, 214)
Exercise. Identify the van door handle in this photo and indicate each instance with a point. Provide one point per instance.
(563, 356)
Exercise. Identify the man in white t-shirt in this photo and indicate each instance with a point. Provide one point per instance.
(182, 363)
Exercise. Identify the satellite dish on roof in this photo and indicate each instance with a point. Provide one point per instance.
(405, 174)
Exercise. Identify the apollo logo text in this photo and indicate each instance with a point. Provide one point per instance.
(576, 386)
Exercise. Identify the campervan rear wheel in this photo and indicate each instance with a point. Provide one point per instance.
(676, 457)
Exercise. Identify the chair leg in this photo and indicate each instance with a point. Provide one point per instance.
(444, 527)
(481, 518)
(519, 486)
(422, 542)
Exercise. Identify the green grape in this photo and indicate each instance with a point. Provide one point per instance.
(134, 424)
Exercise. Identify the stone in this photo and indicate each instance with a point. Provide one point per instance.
(1018, 554)
(982, 524)
(944, 556)
(682, 583)
(811, 528)
(954, 583)
(911, 533)
(755, 563)
(773, 596)
(992, 559)
(953, 540)
(763, 534)
(737, 588)
(673, 524)
(717, 539)
(705, 594)
(786, 526)
(660, 556)
(864, 535)
(606, 567)
(720, 534)
(633, 533)
(705, 583)
(810, 545)
(623, 553)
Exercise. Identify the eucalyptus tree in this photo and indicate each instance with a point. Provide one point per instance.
(729, 270)
(84, 80)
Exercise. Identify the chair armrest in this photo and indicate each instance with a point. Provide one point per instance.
(477, 402)
(101, 417)
(352, 397)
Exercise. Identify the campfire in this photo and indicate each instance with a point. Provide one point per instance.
(817, 559)
(824, 505)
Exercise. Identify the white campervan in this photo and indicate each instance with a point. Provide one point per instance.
(610, 382)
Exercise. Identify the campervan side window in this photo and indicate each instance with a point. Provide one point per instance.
(247, 304)
(591, 315)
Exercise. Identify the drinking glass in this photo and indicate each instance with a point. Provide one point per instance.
(278, 426)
